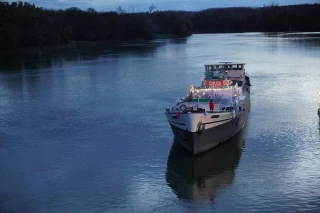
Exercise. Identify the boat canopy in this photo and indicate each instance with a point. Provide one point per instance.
(224, 66)
(225, 70)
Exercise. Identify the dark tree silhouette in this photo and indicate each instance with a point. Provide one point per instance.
(23, 24)
(151, 8)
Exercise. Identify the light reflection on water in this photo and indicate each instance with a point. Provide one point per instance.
(83, 130)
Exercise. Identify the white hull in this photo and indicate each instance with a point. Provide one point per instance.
(212, 131)
(191, 121)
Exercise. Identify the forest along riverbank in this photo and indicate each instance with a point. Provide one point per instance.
(23, 24)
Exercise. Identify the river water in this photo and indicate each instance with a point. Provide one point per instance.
(83, 129)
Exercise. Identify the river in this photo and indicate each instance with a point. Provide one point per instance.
(84, 130)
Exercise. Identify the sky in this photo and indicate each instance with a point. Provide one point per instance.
(142, 5)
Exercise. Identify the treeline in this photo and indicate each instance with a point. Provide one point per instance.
(273, 18)
(23, 24)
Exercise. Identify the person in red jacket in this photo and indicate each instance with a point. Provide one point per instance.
(211, 105)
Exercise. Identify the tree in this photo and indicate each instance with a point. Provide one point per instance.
(151, 8)
(181, 26)
(120, 10)
(91, 10)
(9, 36)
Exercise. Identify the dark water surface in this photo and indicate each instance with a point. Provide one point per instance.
(84, 130)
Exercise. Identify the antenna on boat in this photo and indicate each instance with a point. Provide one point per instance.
(225, 62)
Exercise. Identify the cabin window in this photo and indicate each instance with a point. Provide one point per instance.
(229, 108)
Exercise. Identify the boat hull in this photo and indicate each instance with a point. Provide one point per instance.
(196, 142)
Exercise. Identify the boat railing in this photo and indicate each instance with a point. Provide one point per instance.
(200, 107)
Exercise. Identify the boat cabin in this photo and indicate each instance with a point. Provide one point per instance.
(224, 70)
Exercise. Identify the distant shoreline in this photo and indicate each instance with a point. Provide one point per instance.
(23, 25)
(80, 44)
(84, 44)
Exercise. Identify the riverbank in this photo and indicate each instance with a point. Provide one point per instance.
(81, 44)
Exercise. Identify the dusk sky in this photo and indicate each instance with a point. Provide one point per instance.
(142, 5)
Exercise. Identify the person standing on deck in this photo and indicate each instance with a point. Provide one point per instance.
(211, 105)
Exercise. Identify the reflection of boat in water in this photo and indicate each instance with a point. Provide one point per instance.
(203, 176)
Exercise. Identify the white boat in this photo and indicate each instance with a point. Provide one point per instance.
(199, 127)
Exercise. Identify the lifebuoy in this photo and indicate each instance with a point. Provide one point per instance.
(183, 108)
